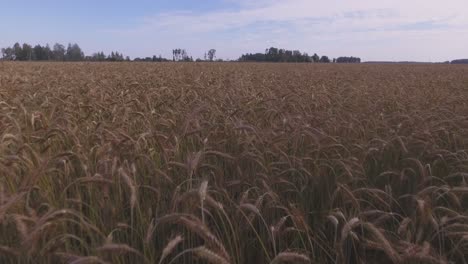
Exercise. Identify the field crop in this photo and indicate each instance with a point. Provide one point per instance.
(233, 163)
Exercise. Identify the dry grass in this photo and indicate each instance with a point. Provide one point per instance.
(233, 163)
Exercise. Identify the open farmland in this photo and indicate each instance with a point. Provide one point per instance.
(233, 163)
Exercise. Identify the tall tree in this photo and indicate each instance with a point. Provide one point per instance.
(8, 53)
(18, 51)
(74, 53)
(39, 53)
(100, 56)
(211, 54)
(59, 52)
(26, 52)
(324, 59)
(315, 58)
(180, 55)
(49, 55)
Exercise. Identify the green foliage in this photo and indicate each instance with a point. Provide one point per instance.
(348, 60)
(211, 54)
(281, 55)
(73, 52)
(59, 52)
(181, 55)
(461, 61)
(324, 59)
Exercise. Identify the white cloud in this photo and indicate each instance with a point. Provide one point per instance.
(374, 30)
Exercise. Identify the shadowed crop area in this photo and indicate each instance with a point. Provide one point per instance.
(233, 163)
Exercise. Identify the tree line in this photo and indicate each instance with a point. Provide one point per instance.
(462, 61)
(283, 55)
(27, 52)
(181, 55)
(73, 52)
(57, 52)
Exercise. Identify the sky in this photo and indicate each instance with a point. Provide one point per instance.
(375, 30)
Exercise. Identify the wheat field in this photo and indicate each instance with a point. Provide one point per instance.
(233, 163)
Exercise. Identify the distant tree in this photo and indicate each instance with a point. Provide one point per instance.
(315, 58)
(40, 53)
(74, 53)
(348, 60)
(115, 56)
(282, 55)
(100, 56)
(48, 53)
(297, 56)
(58, 52)
(176, 54)
(462, 61)
(211, 54)
(334, 60)
(272, 54)
(277, 55)
(8, 54)
(324, 59)
(26, 52)
(180, 55)
(150, 59)
(18, 51)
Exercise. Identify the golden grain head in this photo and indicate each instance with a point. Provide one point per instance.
(233, 163)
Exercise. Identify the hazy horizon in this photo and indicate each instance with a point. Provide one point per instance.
(375, 31)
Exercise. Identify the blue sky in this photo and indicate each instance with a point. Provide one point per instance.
(424, 30)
